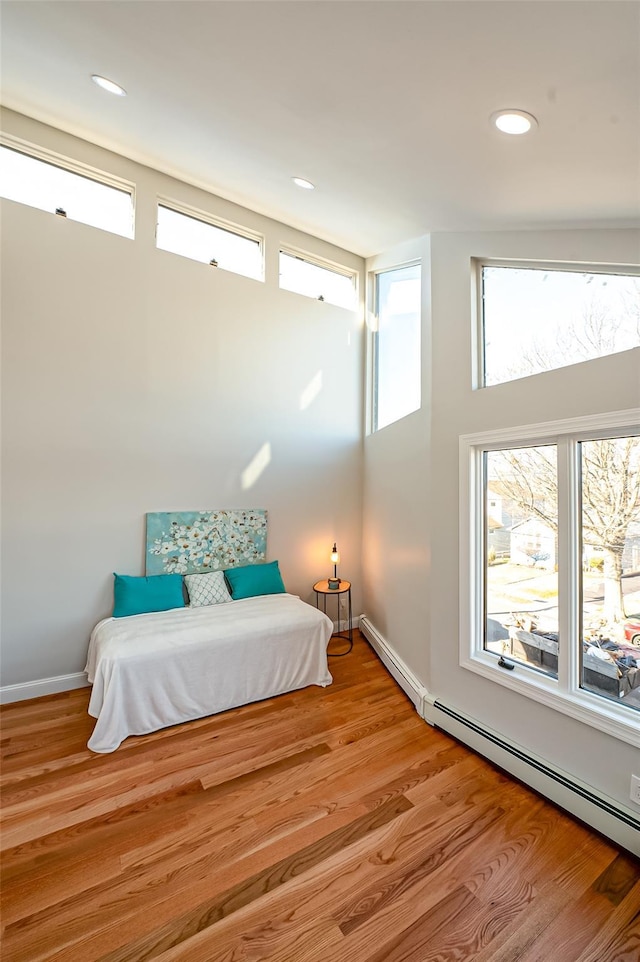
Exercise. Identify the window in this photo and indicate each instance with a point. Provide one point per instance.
(520, 560)
(541, 318)
(396, 345)
(192, 235)
(314, 279)
(551, 582)
(609, 549)
(63, 188)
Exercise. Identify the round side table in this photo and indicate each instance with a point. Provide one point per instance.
(323, 591)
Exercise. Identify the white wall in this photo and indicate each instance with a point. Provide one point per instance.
(136, 380)
(396, 524)
(428, 641)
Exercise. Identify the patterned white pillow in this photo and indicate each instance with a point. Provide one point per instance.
(207, 589)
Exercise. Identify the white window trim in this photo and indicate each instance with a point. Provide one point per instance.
(372, 341)
(562, 694)
(371, 329)
(205, 218)
(318, 261)
(67, 163)
(571, 267)
(325, 264)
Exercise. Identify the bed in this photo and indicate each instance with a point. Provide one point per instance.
(157, 669)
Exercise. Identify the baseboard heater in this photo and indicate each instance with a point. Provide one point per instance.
(605, 815)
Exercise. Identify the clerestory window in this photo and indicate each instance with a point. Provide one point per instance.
(68, 189)
(193, 234)
(396, 363)
(537, 318)
(303, 274)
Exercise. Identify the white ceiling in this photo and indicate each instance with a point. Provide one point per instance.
(384, 105)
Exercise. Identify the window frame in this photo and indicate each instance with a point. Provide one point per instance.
(80, 170)
(373, 328)
(563, 694)
(204, 217)
(324, 264)
(567, 267)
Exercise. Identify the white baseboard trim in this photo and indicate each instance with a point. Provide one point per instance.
(42, 686)
(607, 816)
(344, 624)
(394, 664)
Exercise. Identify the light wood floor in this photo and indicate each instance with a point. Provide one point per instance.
(327, 825)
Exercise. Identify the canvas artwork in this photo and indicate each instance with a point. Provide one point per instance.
(189, 542)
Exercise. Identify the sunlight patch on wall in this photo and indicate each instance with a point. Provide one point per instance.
(255, 468)
(311, 391)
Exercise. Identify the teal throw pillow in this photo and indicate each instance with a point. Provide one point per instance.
(251, 580)
(137, 596)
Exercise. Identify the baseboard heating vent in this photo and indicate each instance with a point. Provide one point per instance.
(599, 811)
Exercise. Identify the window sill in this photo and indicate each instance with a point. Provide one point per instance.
(590, 709)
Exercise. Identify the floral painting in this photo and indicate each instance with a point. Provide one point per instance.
(188, 542)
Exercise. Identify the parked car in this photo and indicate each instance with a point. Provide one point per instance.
(632, 631)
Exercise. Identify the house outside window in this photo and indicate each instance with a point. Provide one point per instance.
(396, 345)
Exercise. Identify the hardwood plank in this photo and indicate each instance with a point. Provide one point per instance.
(176, 878)
(429, 937)
(618, 879)
(102, 829)
(320, 893)
(207, 914)
(460, 834)
(182, 854)
(619, 938)
(574, 930)
(325, 890)
(320, 826)
(328, 818)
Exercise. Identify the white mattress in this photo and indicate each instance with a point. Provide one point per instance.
(154, 670)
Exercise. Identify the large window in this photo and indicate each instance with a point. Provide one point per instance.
(551, 579)
(192, 235)
(66, 189)
(396, 345)
(520, 556)
(323, 282)
(538, 318)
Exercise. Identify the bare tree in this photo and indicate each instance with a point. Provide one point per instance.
(608, 321)
(610, 506)
(603, 324)
(610, 476)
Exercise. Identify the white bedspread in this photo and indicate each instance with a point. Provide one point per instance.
(154, 670)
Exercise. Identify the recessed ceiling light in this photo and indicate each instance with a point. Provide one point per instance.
(305, 184)
(109, 85)
(514, 121)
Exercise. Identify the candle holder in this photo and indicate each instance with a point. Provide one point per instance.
(334, 583)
